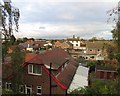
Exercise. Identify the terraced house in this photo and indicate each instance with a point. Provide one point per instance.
(44, 73)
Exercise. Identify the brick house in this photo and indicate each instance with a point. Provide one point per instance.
(37, 74)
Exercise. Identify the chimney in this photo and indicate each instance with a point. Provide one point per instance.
(78, 38)
(28, 45)
(73, 36)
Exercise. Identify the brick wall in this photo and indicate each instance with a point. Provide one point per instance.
(44, 81)
(106, 74)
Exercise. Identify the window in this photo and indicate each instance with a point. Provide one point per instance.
(34, 69)
(8, 85)
(30, 68)
(39, 90)
(75, 56)
(21, 89)
(28, 89)
(92, 57)
(76, 44)
(37, 69)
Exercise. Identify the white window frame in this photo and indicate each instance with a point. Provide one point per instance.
(29, 69)
(20, 89)
(26, 87)
(8, 85)
(39, 87)
(32, 70)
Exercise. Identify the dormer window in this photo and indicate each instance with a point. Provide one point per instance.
(34, 69)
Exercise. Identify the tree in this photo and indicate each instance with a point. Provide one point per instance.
(25, 39)
(12, 39)
(93, 39)
(116, 38)
(98, 87)
(10, 17)
(17, 61)
(31, 39)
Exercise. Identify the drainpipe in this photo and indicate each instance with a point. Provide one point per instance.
(50, 80)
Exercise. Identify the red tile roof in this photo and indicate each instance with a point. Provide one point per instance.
(66, 76)
(29, 56)
(57, 44)
(56, 56)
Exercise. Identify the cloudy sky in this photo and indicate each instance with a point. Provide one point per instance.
(60, 19)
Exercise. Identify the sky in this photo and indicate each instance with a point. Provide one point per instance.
(60, 19)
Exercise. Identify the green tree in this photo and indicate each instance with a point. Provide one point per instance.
(116, 38)
(9, 17)
(31, 39)
(98, 87)
(25, 39)
(17, 61)
(93, 39)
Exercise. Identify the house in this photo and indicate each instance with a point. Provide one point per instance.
(94, 50)
(66, 45)
(63, 44)
(36, 45)
(75, 53)
(75, 41)
(53, 69)
(57, 44)
(27, 46)
(42, 44)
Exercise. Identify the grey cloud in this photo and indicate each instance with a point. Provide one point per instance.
(85, 19)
